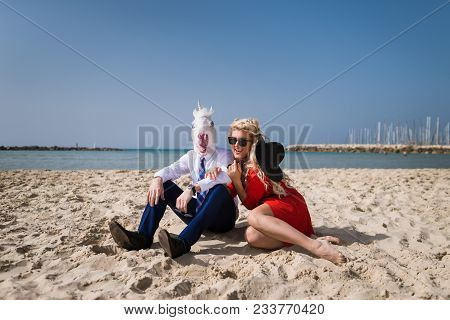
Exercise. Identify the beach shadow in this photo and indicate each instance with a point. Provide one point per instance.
(226, 249)
(234, 236)
(233, 242)
(190, 259)
(348, 235)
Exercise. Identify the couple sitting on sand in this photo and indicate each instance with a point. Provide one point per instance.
(278, 214)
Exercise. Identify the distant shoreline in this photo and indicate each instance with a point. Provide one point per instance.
(55, 148)
(371, 148)
(336, 148)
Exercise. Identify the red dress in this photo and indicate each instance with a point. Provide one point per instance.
(291, 208)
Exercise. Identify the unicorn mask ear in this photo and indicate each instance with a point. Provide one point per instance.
(197, 109)
(200, 111)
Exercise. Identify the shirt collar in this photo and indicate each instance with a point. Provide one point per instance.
(207, 157)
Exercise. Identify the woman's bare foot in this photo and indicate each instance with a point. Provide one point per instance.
(325, 251)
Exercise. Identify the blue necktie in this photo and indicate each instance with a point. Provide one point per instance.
(201, 175)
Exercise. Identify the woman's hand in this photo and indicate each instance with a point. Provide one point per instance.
(183, 200)
(212, 173)
(235, 171)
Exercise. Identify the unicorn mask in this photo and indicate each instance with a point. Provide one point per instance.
(203, 130)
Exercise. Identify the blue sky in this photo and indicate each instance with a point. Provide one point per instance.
(246, 58)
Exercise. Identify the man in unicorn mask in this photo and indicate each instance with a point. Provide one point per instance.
(212, 209)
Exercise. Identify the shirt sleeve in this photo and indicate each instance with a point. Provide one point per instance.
(224, 158)
(176, 169)
(207, 183)
(255, 191)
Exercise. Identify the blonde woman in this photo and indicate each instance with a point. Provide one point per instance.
(279, 215)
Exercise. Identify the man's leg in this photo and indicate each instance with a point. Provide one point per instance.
(152, 216)
(226, 220)
(217, 213)
(150, 219)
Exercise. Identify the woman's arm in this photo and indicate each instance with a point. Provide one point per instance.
(256, 193)
(235, 172)
(256, 188)
(242, 194)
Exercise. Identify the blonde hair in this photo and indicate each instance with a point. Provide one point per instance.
(252, 127)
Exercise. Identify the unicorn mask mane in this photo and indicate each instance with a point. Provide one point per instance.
(203, 130)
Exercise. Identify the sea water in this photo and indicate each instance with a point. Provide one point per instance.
(133, 159)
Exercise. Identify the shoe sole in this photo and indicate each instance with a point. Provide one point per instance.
(164, 241)
(119, 236)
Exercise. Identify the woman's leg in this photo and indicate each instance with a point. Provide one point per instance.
(263, 220)
(260, 240)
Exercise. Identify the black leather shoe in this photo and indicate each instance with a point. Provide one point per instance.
(171, 244)
(129, 240)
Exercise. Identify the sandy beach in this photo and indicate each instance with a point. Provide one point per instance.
(55, 242)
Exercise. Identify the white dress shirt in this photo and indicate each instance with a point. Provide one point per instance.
(190, 164)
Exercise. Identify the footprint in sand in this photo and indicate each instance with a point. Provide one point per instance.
(23, 249)
(93, 236)
(227, 274)
(108, 250)
(36, 265)
(52, 276)
(141, 285)
(7, 220)
(181, 288)
(159, 268)
(6, 265)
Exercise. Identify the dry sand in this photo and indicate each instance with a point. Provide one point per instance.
(55, 243)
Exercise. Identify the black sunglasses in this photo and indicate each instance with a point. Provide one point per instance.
(242, 141)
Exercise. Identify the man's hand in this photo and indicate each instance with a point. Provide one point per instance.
(155, 191)
(183, 200)
(234, 171)
(212, 173)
